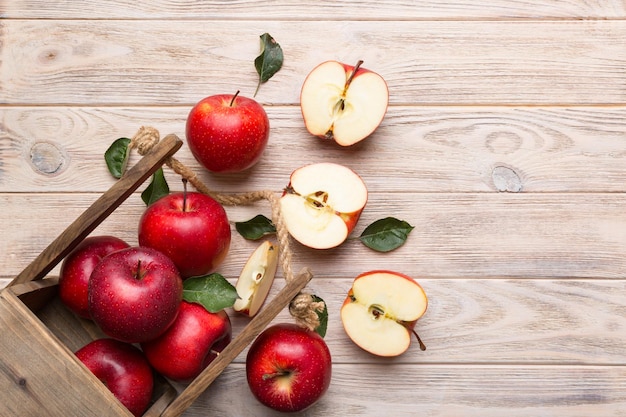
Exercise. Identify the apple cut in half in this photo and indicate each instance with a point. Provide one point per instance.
(255, 281)
(380, 312)
(343, 102)
(322, 204)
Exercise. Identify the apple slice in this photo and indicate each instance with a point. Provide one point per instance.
(380, 312)
(322, 204)
(256, 279)
(343, 102)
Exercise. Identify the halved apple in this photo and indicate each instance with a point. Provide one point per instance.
(322, 204)
(380, 312)
(343, 102)
(255, 281)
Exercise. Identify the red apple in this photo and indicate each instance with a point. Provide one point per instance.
(135, 294)
(288, 367)
(190, 344)
(123, 369)
(227, 133)
(191, 228)
(77, 267)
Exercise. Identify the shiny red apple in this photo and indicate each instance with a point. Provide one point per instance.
(123, 369)
(77, 267)
(190, 344)
(288, 367)
(227, 133)
(191, 228)
(135, 294)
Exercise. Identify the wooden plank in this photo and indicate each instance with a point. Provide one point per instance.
(113, 62)
(407, 390)
(324, 9)
(456, 235)
(431, 149)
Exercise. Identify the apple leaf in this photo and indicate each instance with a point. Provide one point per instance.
(156, 189)
(212, 291)
(116, 157)
(385, 235)
(255, 228)
(269, 61)
(322, 315)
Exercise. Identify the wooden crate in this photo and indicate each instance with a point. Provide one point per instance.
(39, 373)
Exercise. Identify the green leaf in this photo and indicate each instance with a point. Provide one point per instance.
(116, 157)
(255, 228)
(269, 61)
(212, 291)
(156, 189)
(322, 316)
(386, 234)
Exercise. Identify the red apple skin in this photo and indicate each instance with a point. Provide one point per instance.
(190, 344)
(288, 368)
(193, 232)
(77, 267)
(123, 369)
(227, 138)
(135, 294)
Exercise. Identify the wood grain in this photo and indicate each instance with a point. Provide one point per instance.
(423, 62)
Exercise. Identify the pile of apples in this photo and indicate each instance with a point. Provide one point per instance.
(134, 294)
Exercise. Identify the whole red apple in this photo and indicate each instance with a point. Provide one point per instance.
(288, 367)
(77, 267)
(227, 133)
(190, 228)
(190, 344)
(123, 369)
(135, 294)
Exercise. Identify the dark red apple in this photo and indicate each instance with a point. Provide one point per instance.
(135, 294)
(190, 228)
(190, 344)
(288, 367)
(77, 267)
(227, 133)
(123, 369)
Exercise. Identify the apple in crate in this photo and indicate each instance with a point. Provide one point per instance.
(227, 133)
(343, 102)
(190, 344)
(135, 294)
(322, 204)
(256, 278)
(380, 312)
(123, 369)
(288, 368)
(77, 267)
(191, 228)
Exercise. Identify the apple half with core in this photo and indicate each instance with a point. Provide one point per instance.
(343, 102)
(123, 369)
(255, 281)
(322, 204)
(380, 312)
(288, 367)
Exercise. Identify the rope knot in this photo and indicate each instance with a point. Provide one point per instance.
(145, 139)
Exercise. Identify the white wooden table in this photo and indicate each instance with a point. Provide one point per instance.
(504, 145)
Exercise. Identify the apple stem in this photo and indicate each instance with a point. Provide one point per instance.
(232, 102)
(138, 274)
(354, 71)
(422, 345)
(275, 375)
(184, 195)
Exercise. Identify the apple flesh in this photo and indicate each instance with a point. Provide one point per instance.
(227, 133)
(77, 267)
(343, 102)
(380, 312)
(322, 204)
(288, 368)
(255, 281)
(190, 344)
(135, 294)
(191, 228)
(123, 369)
